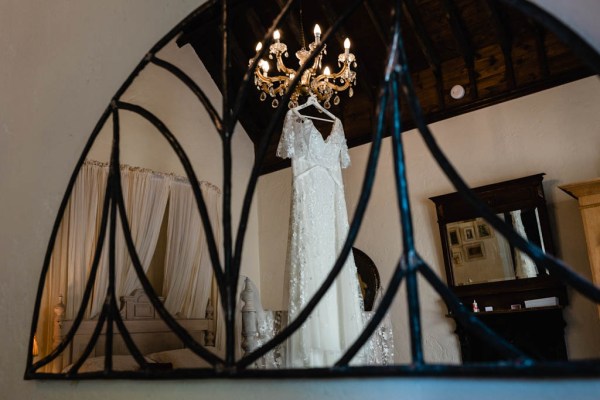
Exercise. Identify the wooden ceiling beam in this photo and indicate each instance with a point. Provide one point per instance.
(341, 34)
(293, 24)
(461, 36)
(377, 23)
(256, 26)
(504, 36)
(427, 48)
(540, 48)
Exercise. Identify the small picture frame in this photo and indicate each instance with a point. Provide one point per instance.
(468, 234)
(483, 231)
(453, 237)
(457, 257)
(474, 251)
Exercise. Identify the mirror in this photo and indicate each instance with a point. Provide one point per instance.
(474, 252)
(478, 254)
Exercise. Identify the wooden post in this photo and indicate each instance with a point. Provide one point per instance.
(588, 195)
(59, 316)
(249, 330)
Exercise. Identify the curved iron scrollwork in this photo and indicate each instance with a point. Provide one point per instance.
(396, 85)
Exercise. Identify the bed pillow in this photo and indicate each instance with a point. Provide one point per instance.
(180, 358)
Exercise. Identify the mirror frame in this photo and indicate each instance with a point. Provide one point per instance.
(515, 194)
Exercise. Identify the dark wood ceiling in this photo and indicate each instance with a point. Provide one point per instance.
(495, 53)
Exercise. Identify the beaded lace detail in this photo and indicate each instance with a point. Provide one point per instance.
(318, 228)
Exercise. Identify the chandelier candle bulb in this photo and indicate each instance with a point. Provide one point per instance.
(317, 32)
(347, 47)
(276, 35)
(259, 47)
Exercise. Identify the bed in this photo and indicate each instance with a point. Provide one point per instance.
(151, 335)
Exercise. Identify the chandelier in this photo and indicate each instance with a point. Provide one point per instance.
(324, 85)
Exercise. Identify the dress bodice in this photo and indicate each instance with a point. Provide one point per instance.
(303, 143)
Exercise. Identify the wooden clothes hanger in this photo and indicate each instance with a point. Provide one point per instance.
(312, 101)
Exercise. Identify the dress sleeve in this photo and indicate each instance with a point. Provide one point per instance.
(344, 156)
(285, 148)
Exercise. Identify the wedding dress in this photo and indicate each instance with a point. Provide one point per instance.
(318, 228)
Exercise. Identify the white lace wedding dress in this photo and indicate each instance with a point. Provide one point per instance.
(318, 228)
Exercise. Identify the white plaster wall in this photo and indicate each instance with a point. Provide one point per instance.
(555, 131)
(61, 62)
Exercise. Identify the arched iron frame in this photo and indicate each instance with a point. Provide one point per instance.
(396, 85)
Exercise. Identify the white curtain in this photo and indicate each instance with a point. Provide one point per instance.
(188, 268)
(525, 267)
(73, 250)
(145, 194)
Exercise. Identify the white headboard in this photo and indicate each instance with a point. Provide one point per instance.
(147, 330)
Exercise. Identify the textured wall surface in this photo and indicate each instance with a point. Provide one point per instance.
(61, 61)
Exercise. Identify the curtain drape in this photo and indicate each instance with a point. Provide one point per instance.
(188, 271)
(73, 250)
(145, 194)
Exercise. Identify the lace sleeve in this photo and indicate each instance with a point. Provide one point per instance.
(344, 156)
(285, 148)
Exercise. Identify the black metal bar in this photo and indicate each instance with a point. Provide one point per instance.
(191, 174)
(57, 222)
(114, 185)
(146, 285)
(382, 310)
(73, 371)
(86, 293)
(408, 241)
(228, 302)
(186, 80)
(398, 273)
(469, 320)
(177, 329)
(110, 296)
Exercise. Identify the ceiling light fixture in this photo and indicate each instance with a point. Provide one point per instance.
(323, 86)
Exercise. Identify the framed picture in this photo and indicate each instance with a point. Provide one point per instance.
(468, 233)
(457, 258)
(474, 251)
(453, 237)
(483, 231)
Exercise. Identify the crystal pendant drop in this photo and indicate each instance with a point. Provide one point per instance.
(336, 100)
(286, 54)
(275, 103)
(350, 92)
(327, 104)
(342, 80)
(263, 96)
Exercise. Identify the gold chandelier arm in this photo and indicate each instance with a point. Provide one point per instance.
(271, 80)
(281, 66)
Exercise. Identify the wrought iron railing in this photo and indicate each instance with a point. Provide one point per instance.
(395, 86)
